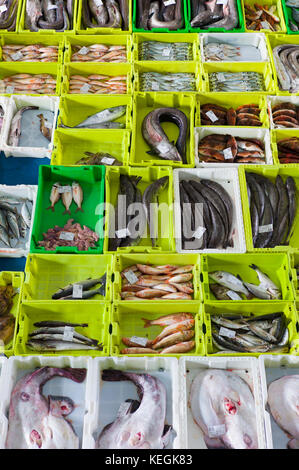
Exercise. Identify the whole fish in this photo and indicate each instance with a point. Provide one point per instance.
(77, 194)
(59, 345)
(266, 283)
(170, 329)
(54, 196)
(104, 116)
(174, 338)
(15, 127)
(224, 293)
(67, 199)
(230, 281)
(57, 323)
(179, 348)
(149, 195)
(86, 284)
(166, 320)
(46, 131)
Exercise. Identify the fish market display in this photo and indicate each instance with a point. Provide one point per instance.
(81, 289)
(168, 51)
(176, 336)
(282, 403)
(259, 17)
(150, 282)
(230, 287)
(99, 53)
(8, 14)
(285, 114)
(207, 213)
(225, 148)
(212, 14)
(102, 120)
(215, 115)
(139, 424)
(36, 421)
(29, 53)
(165, 14)
(177, 82)
(71, 234)
(105, 14)
(98, 158)
(236, 82)
(67, 194)
(222, 405)
(224, 52)
(156, 138)
(286, 65)
(7, 320)
(15, 220)
(273, 207)
(52, 14)
(95, 84)
(43, 83)
(288, 150)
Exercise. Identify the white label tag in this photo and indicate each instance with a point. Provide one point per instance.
(162, 147)
(216, 430)
(10, 89)
(69, 236)
(77, 291)
(221, 2)
(227, 332)
(131, 277)
(139, 340)
(85, 88)
(265, 25)
(84, 50)
(221, 77)
(266, 228)
(155, 86)
(3, 8)
(122, 233)
(166, 52)
(228, 153)
(68, 333)
(17, 56)
(108, 161)
(212, 116)
(233, 295)
(64, 189)
(52, 7)
(199, 232)
(123, 408)
(167, 3)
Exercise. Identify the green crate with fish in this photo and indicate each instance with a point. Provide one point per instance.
(141, 330)
(139, 210)
(291, 15)
(110, 48)
(172, 144)
(166, 16)
(172, 47)
(11, 285)
(229, 109)
(81, 329)
(266, 16)
(69, 210)
(93, 79)
(104, 17)
(147, 277)
(10, 13)
(244, 277)
(285, 147)
(269, 202)
(91, 147)
(49, 17)
(29, 48)
(244, 328)
(284, 51)
(223, 16)
(61, 278)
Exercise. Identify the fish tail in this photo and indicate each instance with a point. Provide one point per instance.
(67, 211)
(50, 207)
(112, 375)
(147, 322)
(79, 209)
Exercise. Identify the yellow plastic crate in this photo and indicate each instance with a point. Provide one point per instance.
(192, 39)
(29, 39)
(267, 3)
(23, 29)
(80, 28)
(277, 40)
(276, 136)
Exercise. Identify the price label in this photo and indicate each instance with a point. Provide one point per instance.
(64, 189)
(17, 56)
(227, 332)
(3, 8)
(77, 291)
(68, 236)
(199, 232)
(85, 88)
(108, 161)
(10, 89)
(131, 277)
(266, 228)
(216, 430)
(162, 147)
(233, 295)
(122, 233)
(221, 77)
(83, 51)
(139, 340)
(228, 153)
(68, 333)
(212, 116)
(52, 7)
(167, 3)
(155, 86)
(222, 2)
(166, 52)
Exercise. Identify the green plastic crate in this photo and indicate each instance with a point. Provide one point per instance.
(16, 30)
(122, 261)
(97, 316)
(209, 29)
(28, 39)
(288, 16)
(23, 29)
(250, 309)
(91, 179)
(277, 40)
(127, 321)
(46, 274)
(140, 38)
(276, 136)
(165, 240)
(16, 279)
(184, 28)
(80, 28)
(275, 265)
(269, 3)
(143, 104)
(270, 171)
(70, 145)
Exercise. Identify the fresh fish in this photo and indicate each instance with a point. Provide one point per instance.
(179, 348)
(46, 332)
(174, 338)
(26, 215)
(88, 294)
(67, 199)
(15, 127)
(59, 345)
(54, 196)
(266, 283)
(87, 284)
(149, 196)
(170, 329)
(230, 281)
(167, 320)
(224, 293)
(46, 131)
(60, 406)
(13, 225)
(137, 350)
(77, 195)
(103, 117)
(56, 323)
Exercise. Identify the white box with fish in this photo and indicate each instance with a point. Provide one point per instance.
(3, 362)
(21, 246)
(107, 401)
(244, 368)
(32, 142)
(273, 368)
(229, 180)
(66, 398)
(251, 133)
(275, 100)
(3, 107)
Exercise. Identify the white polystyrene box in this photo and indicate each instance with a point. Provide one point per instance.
(273, 100)
(3, 362)
(4, 103)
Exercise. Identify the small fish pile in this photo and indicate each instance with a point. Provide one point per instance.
(69, 235)
(258, 334)
(149, 282)
(139, 424)
(172, 51)
(259, 17)
(67, 194)
(207, 213)
(222, 405)
(215, 115)
(272, 208)
(95, 84)
(230, 287)
(225, 148)
(15, 220)
(236, 82)
(39, 422)
(30, 53)
(102, 119)
(99, 158)
(43, 84)
(156, 138)
(49, 14)
(99, 53)
(7, 320)
(288, 150)
(177, 82)
(175, 338)
(205, 14)
(81, 290)
(105, 14)
(285, 114)
(8, 14)
(224, 52)
(293, 18)
(286, 65)
(165, 14)
(60, 336)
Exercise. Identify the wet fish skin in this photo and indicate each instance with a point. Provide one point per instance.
(59, 345)
(104, 116)
(230, 281)
(15, 127)
(86, 284)
(166, 320)
(149, 195)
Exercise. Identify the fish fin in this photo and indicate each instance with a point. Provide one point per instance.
(253, 266)
(50, 207)
(67, 211)
(152, 153)
(147, 322)
(168, 435)
(239, 277)
(79, 209)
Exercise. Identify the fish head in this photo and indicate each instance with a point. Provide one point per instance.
(239, 433)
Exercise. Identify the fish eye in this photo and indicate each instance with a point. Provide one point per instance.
(25, 396)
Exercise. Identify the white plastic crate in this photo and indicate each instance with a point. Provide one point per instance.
(273, 100)
(4, 103)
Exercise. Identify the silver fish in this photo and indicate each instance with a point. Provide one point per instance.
(103, 117)
(230, 281)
